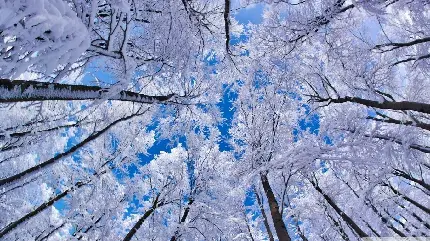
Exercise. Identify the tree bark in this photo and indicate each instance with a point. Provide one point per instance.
(345, 217)
(387, 105)
(64, 154)
(263, 213)
(278, 222)
(405, 175)
(339, 227)
(383, 219)
(415, 203)
(247, 227)
(139, 223)
(227, 25)
(184, 217)
(39, 209)
(22, 91)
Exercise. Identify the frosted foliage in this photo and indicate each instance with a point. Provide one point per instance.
(39, 34)
(178, 122)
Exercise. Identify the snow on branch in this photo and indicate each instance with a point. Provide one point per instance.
(40, 34)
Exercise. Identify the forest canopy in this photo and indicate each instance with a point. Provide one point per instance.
(214, 119)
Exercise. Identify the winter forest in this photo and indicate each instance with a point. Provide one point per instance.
(214, 119)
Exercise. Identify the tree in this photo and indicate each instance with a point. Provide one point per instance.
(169, 120)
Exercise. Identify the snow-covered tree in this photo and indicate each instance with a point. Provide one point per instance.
(112, 123)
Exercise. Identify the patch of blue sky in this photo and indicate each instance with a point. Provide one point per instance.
(308, 123)
(250, 197)
(251, 14)
(96, 77)
(135, 205)
(227, 112)
(161, 145)
(61, 205)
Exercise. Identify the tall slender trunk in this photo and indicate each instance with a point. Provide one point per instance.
(339, 227)
(39, 209)
(64, 154)
(371, 228)
(247, 226)
(139, 223)
(427, 225)
(183, 219)
(278, 222)
(415, 203)
(386, 105)
(263, 213)
(409, 177)
(343, 215)
(22, 91)
(227, 24)
(384, 219)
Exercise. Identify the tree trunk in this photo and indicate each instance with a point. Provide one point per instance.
(64, 154)
(247, 226)
(345, 217)
(405, 175)
(383, 219)
(139, 223)
(339, 227)
(184, 217)
(415, 203)
(415, 216)
(39, 209)
(278, 222)
(265, 221)
(22, 91)
(386, 105)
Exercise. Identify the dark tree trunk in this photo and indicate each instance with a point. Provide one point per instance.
(263, 213)
(278, 222)
(339, 227)
(345, 217)
(38, 210)
(247, 226)
(64, 154)
(22, 91)
(184, 217)
(386, 105)
(227, 25)
(415, 203)
(139, 223)
(405, 175)
(384, 219)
